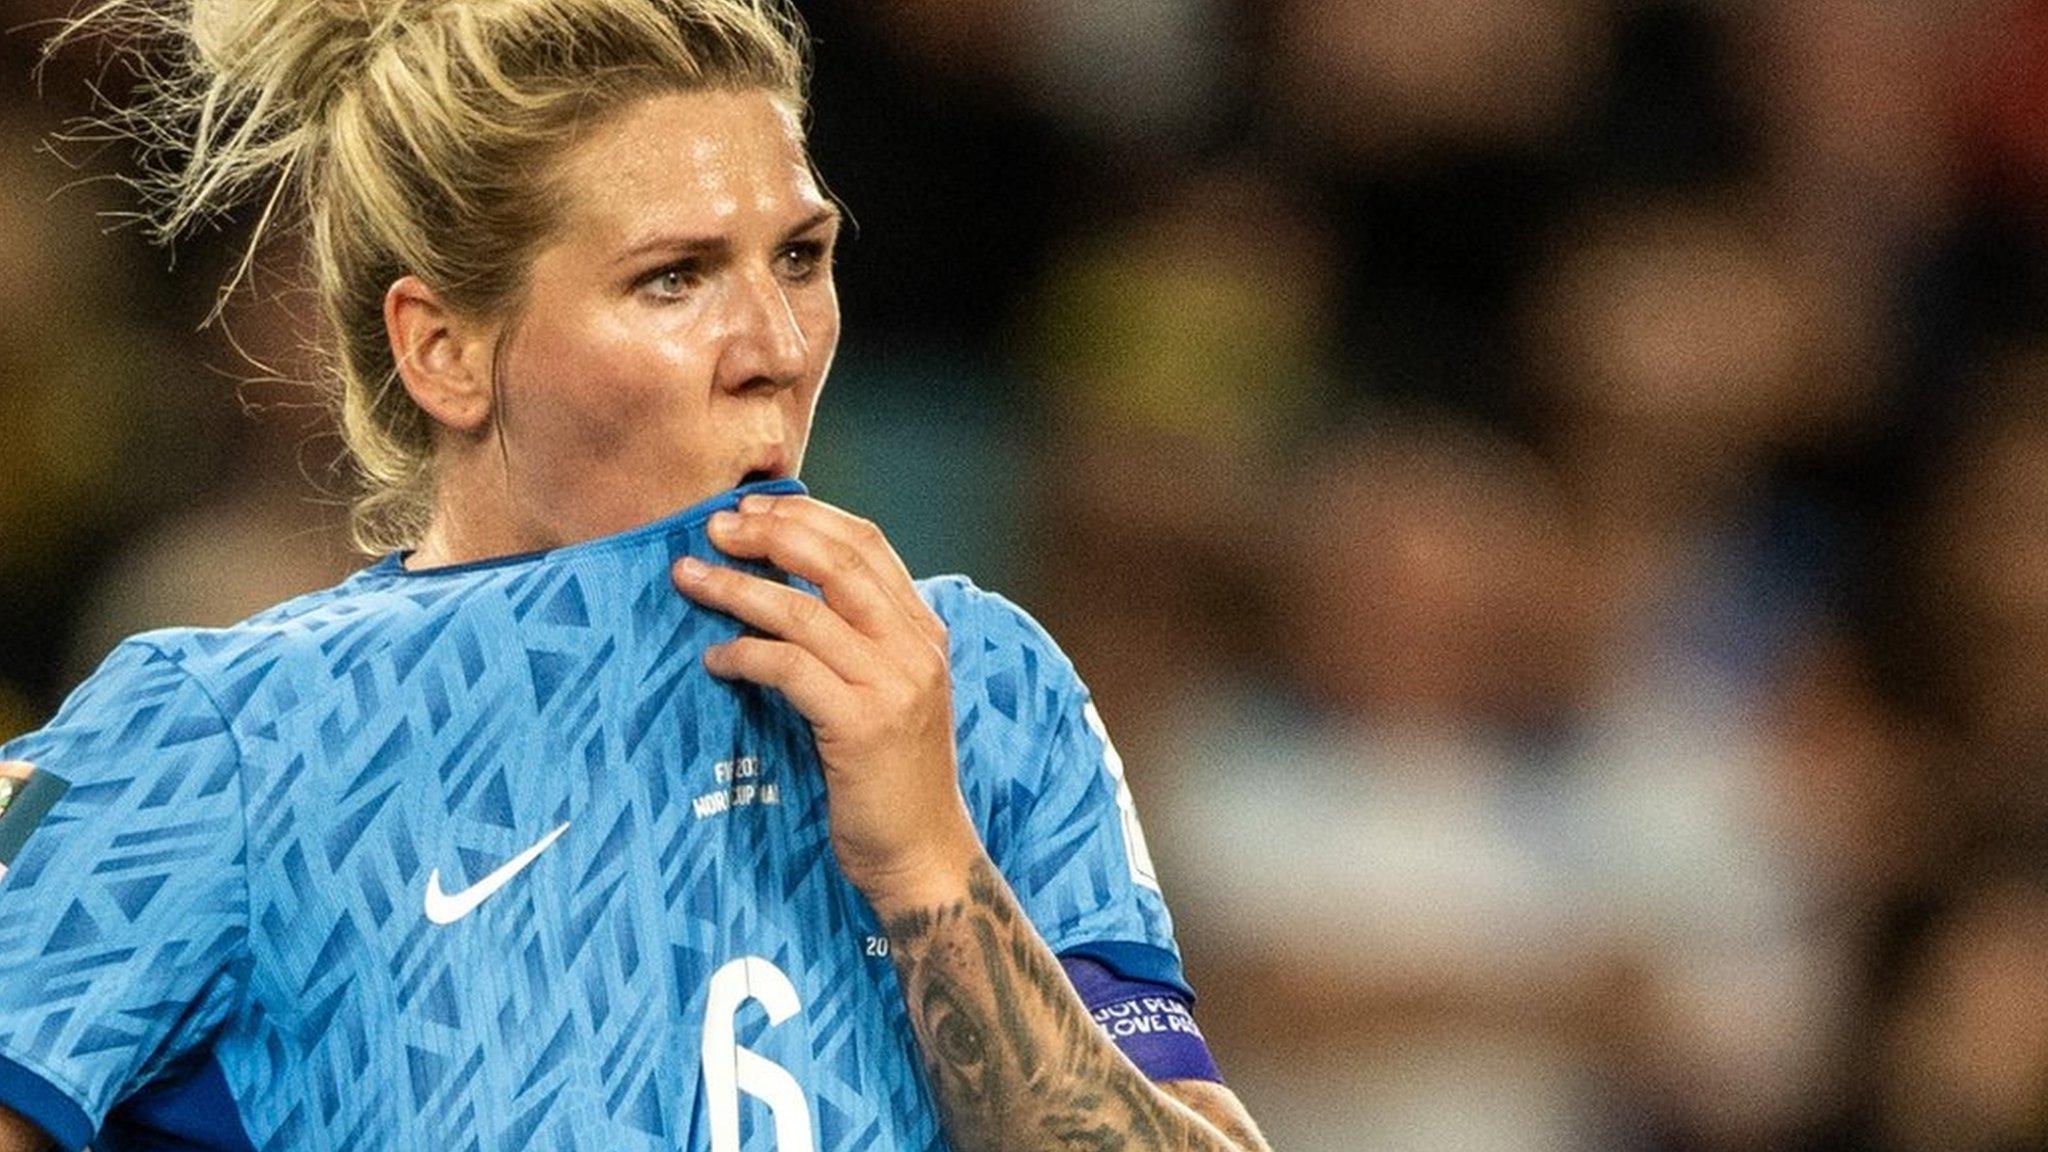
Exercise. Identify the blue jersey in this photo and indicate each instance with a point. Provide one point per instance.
(480, 859)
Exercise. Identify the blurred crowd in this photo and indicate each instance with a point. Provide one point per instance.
(1551, 497)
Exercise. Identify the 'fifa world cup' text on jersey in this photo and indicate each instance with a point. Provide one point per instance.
(480, 859)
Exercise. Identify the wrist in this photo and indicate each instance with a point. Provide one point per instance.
(936, 876)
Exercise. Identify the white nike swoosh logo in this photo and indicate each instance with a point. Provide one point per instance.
(443, 908)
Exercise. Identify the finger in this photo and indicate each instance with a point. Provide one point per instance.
(850, 584)
(823, 698)
(781, 611)
(866, 536)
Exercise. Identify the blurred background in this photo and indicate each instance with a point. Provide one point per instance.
(1551, 497)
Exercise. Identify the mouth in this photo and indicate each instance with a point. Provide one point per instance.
(768, 465)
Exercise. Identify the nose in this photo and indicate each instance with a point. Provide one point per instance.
(766, 347)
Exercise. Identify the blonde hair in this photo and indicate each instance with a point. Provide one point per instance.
(405, 137)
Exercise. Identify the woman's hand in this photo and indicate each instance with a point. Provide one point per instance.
(867, 666)
(1014, 1059)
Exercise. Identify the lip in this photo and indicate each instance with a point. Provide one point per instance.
(768, 463)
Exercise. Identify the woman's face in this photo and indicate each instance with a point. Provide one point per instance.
(680, 321)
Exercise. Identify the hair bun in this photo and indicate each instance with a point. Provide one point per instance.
(304, 51)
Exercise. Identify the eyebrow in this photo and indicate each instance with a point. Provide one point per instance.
(679, 245)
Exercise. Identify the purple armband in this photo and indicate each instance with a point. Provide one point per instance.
(1151, 1023)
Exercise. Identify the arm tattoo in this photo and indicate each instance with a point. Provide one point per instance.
(1013, 1056)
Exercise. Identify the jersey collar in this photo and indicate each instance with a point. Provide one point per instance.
(394, 563)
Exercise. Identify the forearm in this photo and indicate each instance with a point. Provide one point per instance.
(1013, 1056)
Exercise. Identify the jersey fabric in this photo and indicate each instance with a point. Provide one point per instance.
(480, 859)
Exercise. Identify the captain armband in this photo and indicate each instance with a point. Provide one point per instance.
(1150, 1023)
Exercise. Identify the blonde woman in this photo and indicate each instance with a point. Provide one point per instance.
(634, 799)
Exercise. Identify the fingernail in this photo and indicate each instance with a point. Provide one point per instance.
(754, 504)
(723, 521)
(693, 568)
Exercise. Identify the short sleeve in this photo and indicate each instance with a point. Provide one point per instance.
(123, 905)
(1047, 788)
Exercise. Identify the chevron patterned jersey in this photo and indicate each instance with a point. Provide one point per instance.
(480, 859)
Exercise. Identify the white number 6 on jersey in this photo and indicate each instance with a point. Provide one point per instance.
(730, 1069)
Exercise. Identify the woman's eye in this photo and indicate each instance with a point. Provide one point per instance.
(672, 283)
(802, 262)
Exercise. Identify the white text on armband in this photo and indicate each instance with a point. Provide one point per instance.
(1146, 1016)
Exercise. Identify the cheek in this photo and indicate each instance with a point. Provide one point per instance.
(820, 320)
(821, 328)
(597, 374)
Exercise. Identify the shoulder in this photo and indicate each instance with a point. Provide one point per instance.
(1022, 714)
(991, 635)
(223, 667)
(141, 716)
(1046, 786)
(1002, 659)
(144, 675)
(960, 602)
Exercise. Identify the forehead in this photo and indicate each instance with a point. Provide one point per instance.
(701, 161)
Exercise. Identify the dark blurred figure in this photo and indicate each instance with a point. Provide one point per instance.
(1178, 356)
(1985, 596)
(1399, 86)
(1964, 1063)
(1860, 106)
(1396, 934)
(957, 186)
(1443, 134)
(1677, 350)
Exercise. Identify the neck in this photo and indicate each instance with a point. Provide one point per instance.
(476, 516)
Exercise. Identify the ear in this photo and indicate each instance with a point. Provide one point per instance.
(443, 358)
